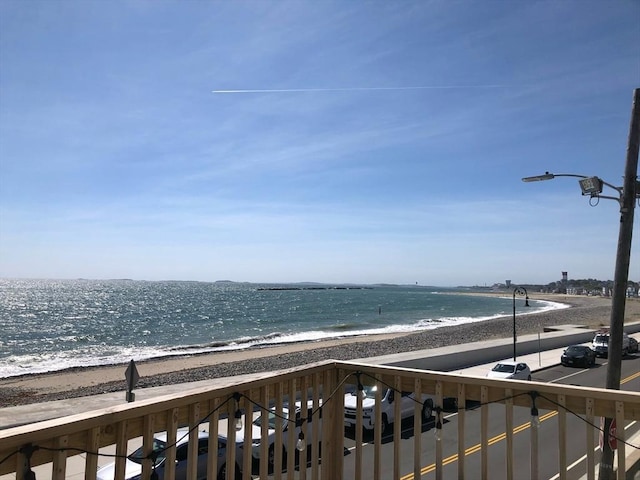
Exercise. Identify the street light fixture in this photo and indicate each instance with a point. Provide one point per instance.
(519, 291)
(627, 195)
(591, 186)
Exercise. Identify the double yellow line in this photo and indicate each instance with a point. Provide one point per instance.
(477, 447)
(497, 438)
(630, 377)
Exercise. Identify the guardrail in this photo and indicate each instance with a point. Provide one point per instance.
(48, 447)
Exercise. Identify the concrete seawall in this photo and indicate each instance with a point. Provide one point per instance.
(458, 357)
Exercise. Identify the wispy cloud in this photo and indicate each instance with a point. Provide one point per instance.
(360, 89)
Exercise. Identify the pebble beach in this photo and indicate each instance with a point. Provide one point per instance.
(592, 312)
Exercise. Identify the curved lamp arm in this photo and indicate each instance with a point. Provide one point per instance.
(551, 176)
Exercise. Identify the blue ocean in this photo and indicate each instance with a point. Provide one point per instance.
(50, 325)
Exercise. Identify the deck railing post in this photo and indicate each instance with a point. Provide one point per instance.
(332, 426)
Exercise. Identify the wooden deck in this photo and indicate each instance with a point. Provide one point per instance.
(86, 436)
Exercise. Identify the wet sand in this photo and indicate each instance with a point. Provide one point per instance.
(592, 312)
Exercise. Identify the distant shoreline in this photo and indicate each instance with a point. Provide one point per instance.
(591, 312)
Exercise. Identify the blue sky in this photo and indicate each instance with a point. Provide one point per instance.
(364, 142)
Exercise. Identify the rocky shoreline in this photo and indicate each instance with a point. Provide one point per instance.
(587, 311)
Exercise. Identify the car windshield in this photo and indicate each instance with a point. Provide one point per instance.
(504, 368)
(367, 391)
(576, 350)
(601, 339)
(271, 420)
(158, 446)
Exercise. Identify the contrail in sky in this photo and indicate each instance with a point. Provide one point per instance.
(355, 89)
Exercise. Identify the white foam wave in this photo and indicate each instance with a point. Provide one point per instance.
(110, 355)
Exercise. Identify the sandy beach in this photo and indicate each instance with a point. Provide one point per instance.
(591, 312)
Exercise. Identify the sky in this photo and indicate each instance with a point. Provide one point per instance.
(324, 141)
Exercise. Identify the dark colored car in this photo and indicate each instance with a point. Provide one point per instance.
(133, 465)
(633, 345)
(578, 356)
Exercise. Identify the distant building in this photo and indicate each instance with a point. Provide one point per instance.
(564, 285)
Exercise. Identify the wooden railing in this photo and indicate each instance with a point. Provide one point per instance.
(75, 446)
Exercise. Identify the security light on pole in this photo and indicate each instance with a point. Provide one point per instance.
(591, 186)
(627, 195)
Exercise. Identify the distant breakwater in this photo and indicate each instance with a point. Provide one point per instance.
(311, 288)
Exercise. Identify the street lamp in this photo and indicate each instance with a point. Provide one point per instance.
(519, 291)
(627, 195)
(591, 186)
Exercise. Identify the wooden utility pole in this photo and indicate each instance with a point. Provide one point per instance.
(616, 327)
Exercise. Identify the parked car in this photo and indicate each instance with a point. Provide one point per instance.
(578, 355)
(510, 369)
(133, 466)
(600, 343)
(633, 345)
(389, 397)
(289, 419)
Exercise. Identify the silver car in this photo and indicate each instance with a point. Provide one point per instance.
(133, 467)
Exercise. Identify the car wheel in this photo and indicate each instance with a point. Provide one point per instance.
(271, 459)
(427, 411)
(449, 404)
(222, 475)
(385, 425)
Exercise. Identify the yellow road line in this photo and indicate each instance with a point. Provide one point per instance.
(630, 377)
(477, 447)
(497, 438)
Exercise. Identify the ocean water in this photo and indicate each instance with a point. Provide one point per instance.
(49, 325)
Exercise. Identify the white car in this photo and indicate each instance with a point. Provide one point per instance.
(510, 369)
(389, 397)
(289, 419)
(600, 343)
(133, 466)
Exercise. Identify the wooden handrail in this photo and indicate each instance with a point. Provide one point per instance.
(324, 383)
